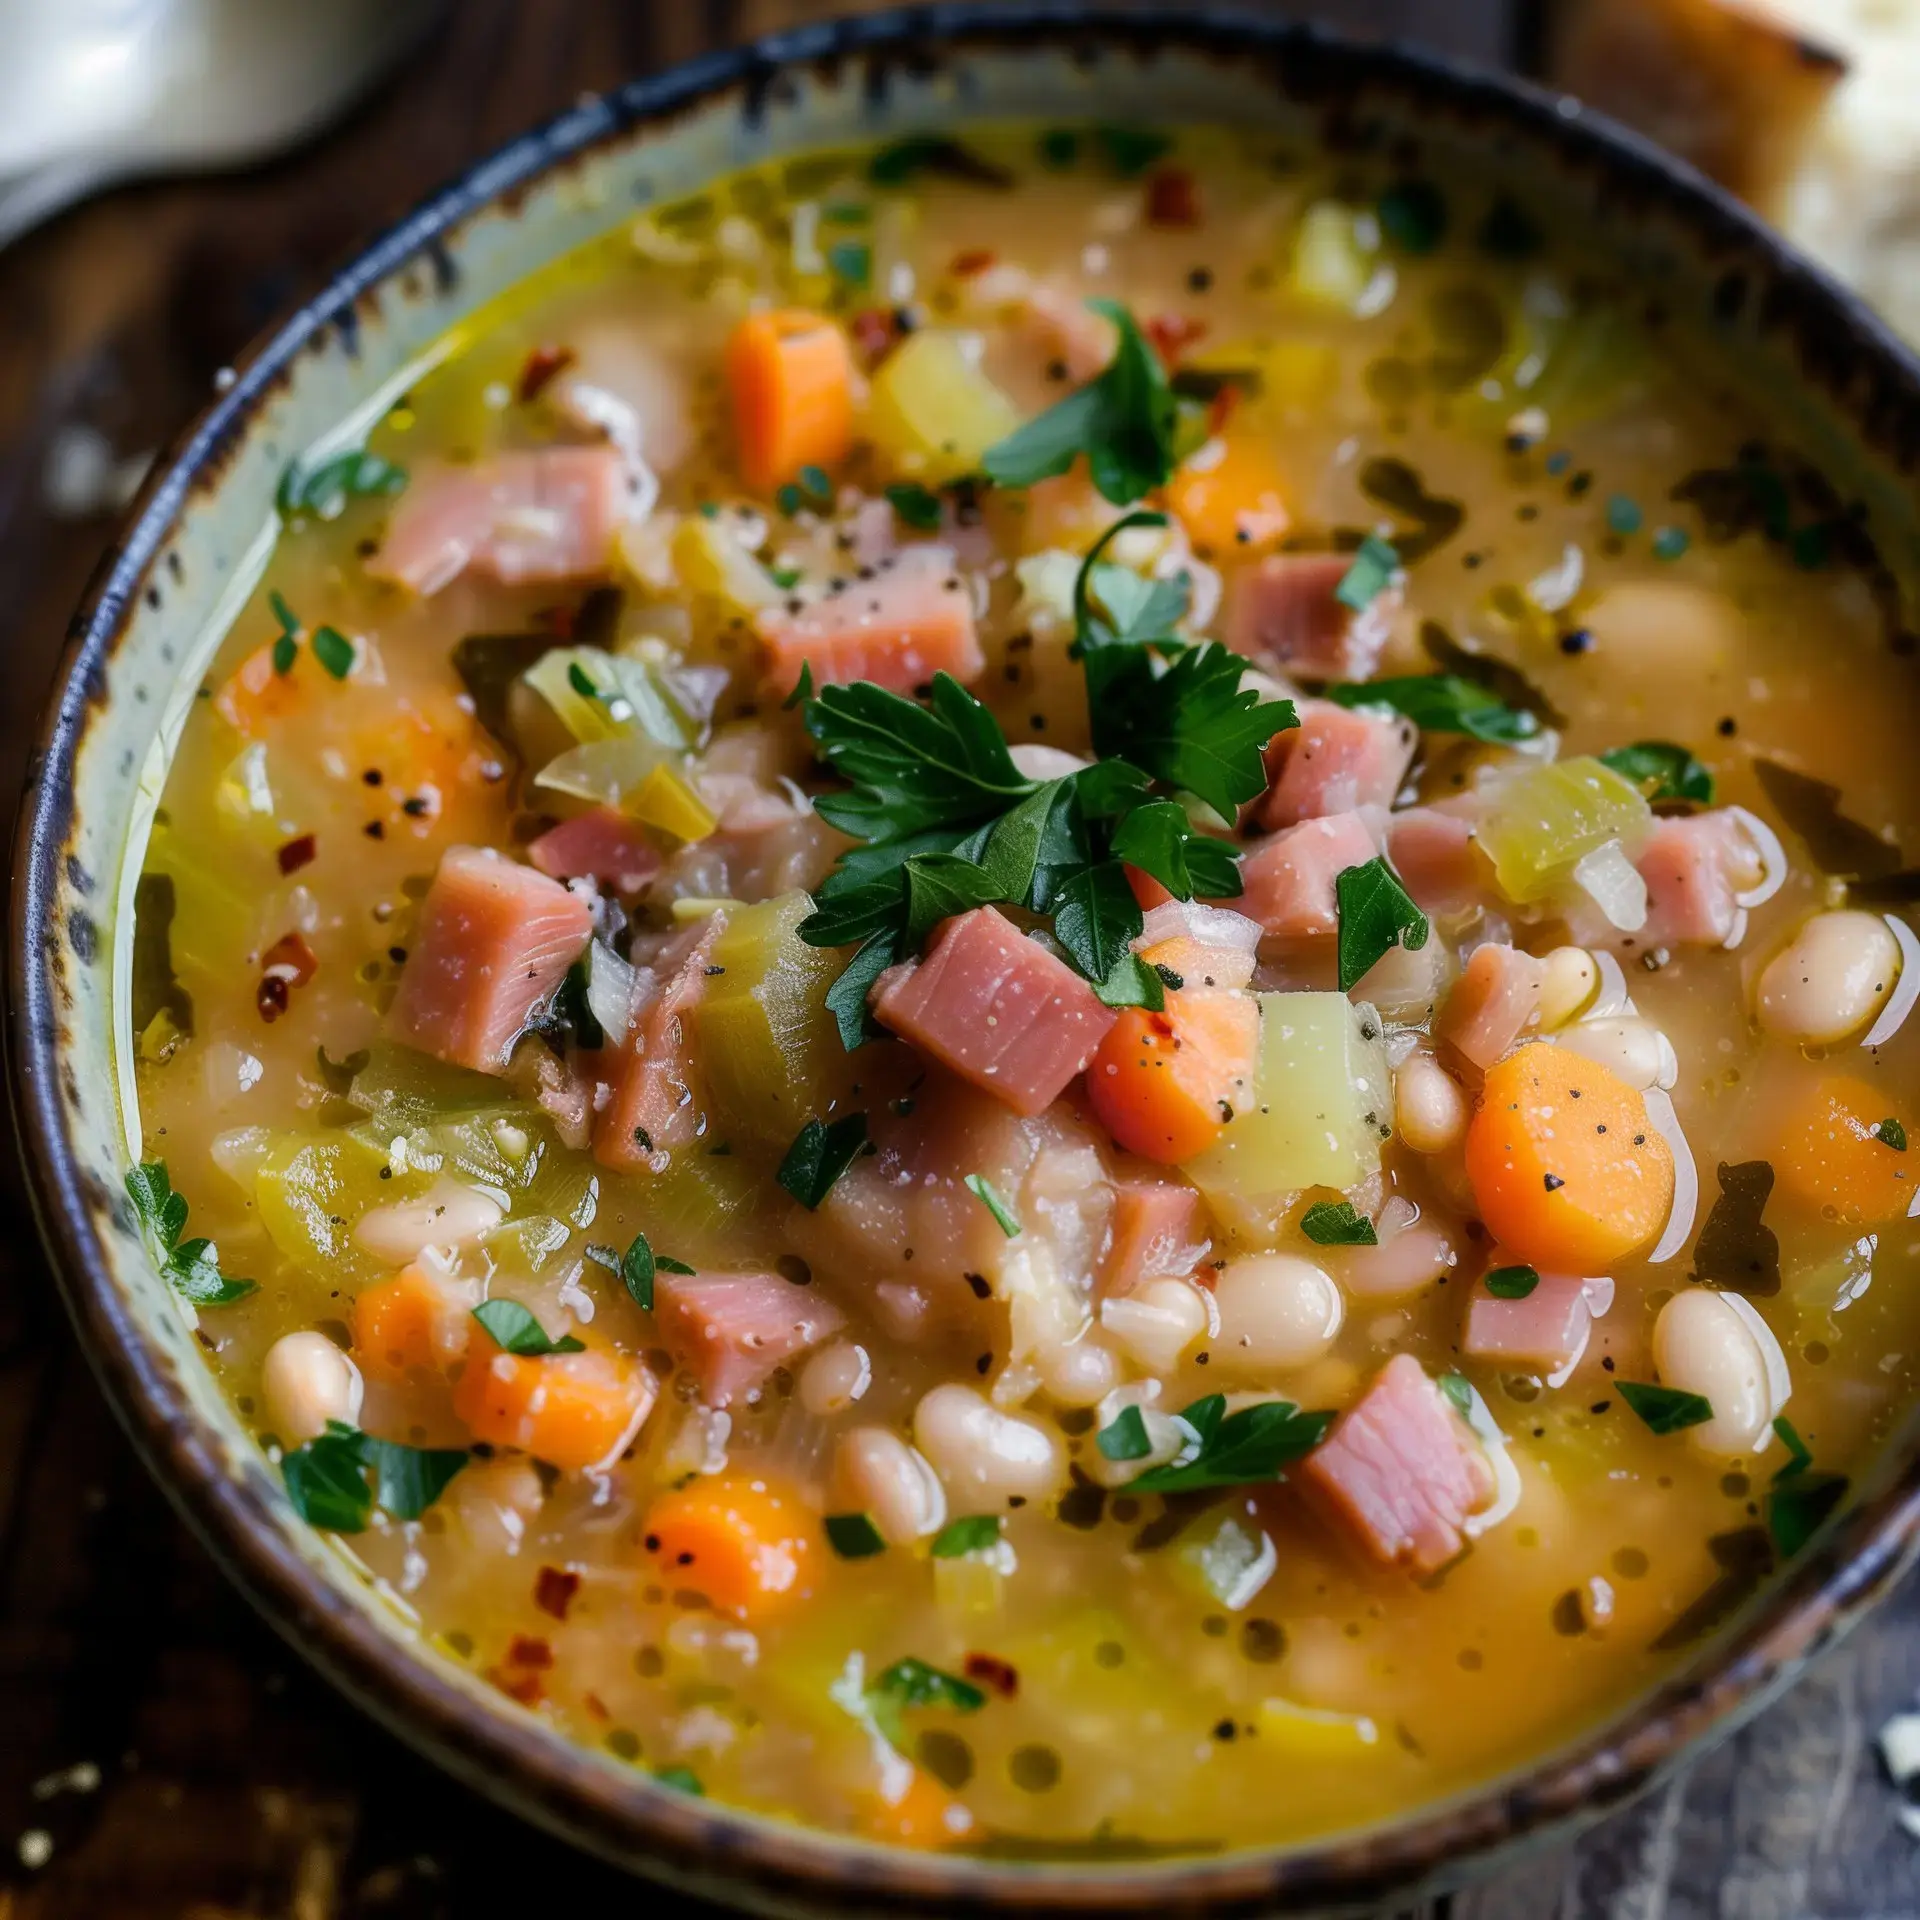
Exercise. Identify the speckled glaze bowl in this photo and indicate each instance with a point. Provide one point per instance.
(202, 532)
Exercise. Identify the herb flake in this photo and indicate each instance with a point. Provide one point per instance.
(514, 1329)
(1665, 1409)
(820, 1154)
(1376, 915)
(1335, 1223)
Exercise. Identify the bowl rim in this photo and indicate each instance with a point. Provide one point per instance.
(508, 1754)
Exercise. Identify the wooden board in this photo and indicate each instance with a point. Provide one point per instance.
(167, 1755)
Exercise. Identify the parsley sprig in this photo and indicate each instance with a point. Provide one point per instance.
(1224, 1449)
(191, 1267)
(328, 1485)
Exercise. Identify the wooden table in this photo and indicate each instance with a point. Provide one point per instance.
(161, 1753)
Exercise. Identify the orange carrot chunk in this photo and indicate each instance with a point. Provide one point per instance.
(1835, 1151)
(1567, 1170)
(1231, 496)
(1164, 1084)
(258, 695)
(407, 1326)
(572, 1410)
(790, 374)
(741, 1542)
(924, 1814)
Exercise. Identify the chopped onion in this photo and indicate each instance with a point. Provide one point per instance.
(1893, 1016)
(1599, 1290)
(597, 407)
(1773, 860)
(1779, 1379)
(1612, 996)
(609, 990)
(1686, 1179)
(1556, 588)
(1208, 926)
(1203, 583)
(1614, 885)
(1506, 1476)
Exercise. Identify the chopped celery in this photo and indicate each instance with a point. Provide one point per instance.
(311, 1192)
(1542, 823)
(604, 771)
(711, 560)
(527, 1245)
(1321, 1104)
(665, 800)
(243, 795)
(1225, 1560)
(403, 1089)
(768, 1045)
(602, 696)
(213, 916)
(700, 1196)
(934, 413)
(1334, 253)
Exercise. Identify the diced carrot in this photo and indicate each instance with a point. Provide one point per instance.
(742, 1542)
(1567, 1170)
(923, 1815)
(256, 696)
(1231, 496)
(1164, 1084)
(1146, 889)
(791, 377)
(407, 1326)
(572, 1410)
(1830, 1152)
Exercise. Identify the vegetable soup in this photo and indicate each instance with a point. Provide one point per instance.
(1049, 994)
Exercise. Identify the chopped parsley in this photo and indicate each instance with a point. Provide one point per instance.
(1799, 1507)
(1376, 915)
(1125, 1436)
(333, 650)
(1665, 1409)
(323, 490)
(916, 505)
(327, 1478)
(1371, 572)
(913, 1683)
(1441, 703)
(1512, 1283)
(1799, 1454)
(1334, 1223)
(972, 1533)
(1004, 1217)
(1459, 1392)
(190, 1267)
(286, 650)
(681, 1780)
(1890, 1133)
(1242, 1449)
(1662, 771)
(802, 689)
(515, 1330)
(638, 1265)
(851, 261)
(820, 1155)
(894, 165)
(853, 1536)
(1131, 150)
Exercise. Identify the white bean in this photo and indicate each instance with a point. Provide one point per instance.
(1403, 1264)
(1633, 1049)
(834, 1378)
(1830, 980)
(985, 1457)
(448, 1214)
(1157, 1322)
(1429, 1108)
(876, 1473)
(1276, 1311)
(1569, 983)
(306, 1381)
(1079, 1375)
(1702, 1345)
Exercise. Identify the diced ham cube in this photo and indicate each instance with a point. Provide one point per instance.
(1432, 851)
(494, 939)
(1495, 1001)
(1694, 869)
(652, 1107)
(1282, 613)
(911, 620)
(997, 1008)
(1401, 1471)
(1546, 1331)
(730, 1330)
(549, 513)
(1336, 760)
(605, 845)
(1154, 1228)
(1288, 881)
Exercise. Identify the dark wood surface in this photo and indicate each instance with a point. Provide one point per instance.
(162, 1750)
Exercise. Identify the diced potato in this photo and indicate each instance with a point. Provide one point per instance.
(711, 560)
(1333, 259)
(1321, 1107)
(1225, 1560)
(602, 696)
(766, 1042)
(665, 800)
(703, 1194)
(933, 413)
(1542, 823)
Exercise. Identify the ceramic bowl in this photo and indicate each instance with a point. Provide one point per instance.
(200, 536)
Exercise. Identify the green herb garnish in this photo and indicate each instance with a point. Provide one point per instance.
(916, 505)
(514, 1328)
(639, 1264)
(920, 153)
(323, 490)
(286, 650)
(1334, 1223)
(1241, 1449)
(333, 650)
(1441, 703)
(1132, 150)
(1512, 1283)
(913, 1683)
(1662, 771)
(1665, 1409)
(681, 1780)
(802, 689)
(1799, 1454)
(820, 1155)
(972, 1533)
(851, 261)
(1799, 1507)
(327, 1478)
(1125, 1437)
(1376, 915)
(1373, 567)
(1890, 1133)
(1004, 1217)
(190, 1267)
(1459, 1391)
(1623, 514)
(853, 1536)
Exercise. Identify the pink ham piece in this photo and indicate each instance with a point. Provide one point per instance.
(1433, 853)
(545, 514)
(730, 1330)
(1694, 869)
(1336, 760)
(1154, 1229)
(995, 1007)
(1546, 1332)
(1495, 1001)
(1288, 881)
(494, 939)
(1401, 1471)
(652, 1108)
(1282, 613)
(604, 845)
(912, 619)
(1070, 334)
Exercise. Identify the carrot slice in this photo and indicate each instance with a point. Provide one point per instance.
(1164, 1084)
(790, 374)
(406, 1326)
(743, 1543)
(925, 1815)
(572, 1410)
(257, 696)
(1231, 496)
(1566, 1168)
(1831, 1152)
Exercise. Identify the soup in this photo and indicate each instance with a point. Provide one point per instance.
(1038, 994)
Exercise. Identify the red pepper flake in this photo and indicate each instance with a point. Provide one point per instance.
(296, 853)
(971, 260)
(527, 1650)
(596, 1706)
(1171, 334)
(543, 364)
(553, 1591)
(517, 1683)
(1173, 200)
(290, 959)
(989, 1670)
(875, 331)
